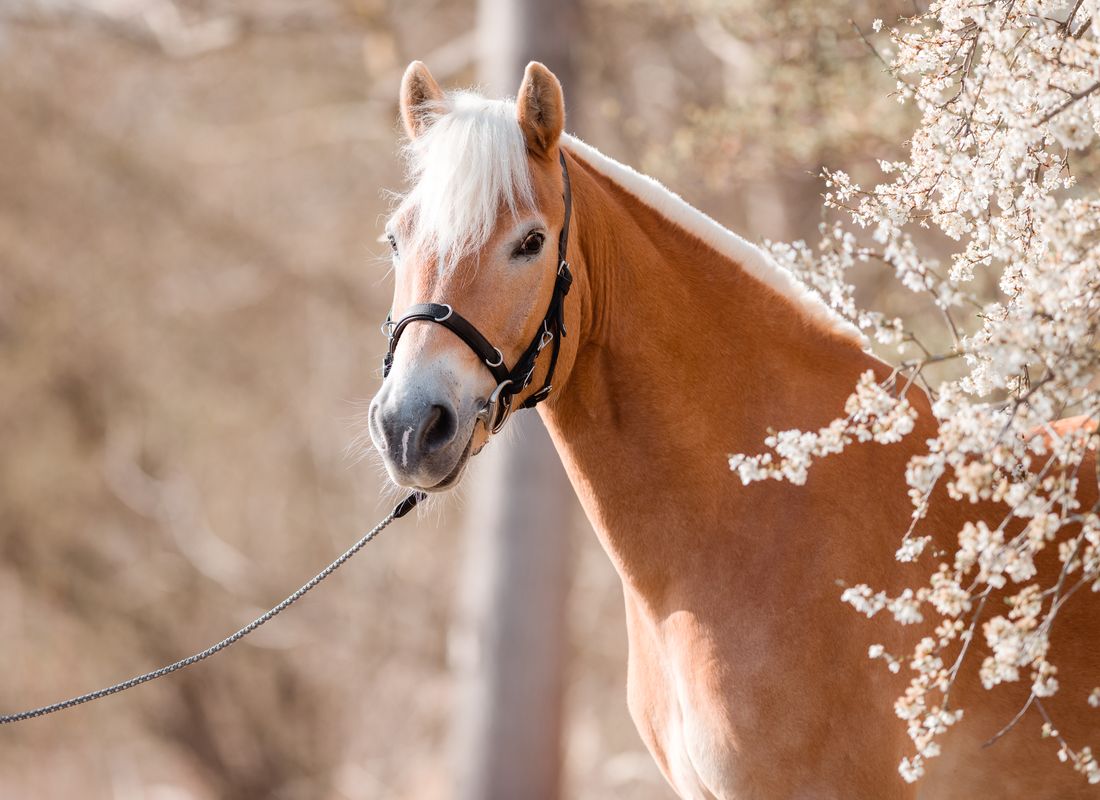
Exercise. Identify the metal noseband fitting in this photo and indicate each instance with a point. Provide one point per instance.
(510, 382)
(497, 408)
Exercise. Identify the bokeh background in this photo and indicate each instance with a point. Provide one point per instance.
(190, 285)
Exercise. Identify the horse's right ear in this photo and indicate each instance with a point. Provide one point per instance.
(420, 99)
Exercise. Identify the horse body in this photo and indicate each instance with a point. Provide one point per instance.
(747, 677)
(736, 633)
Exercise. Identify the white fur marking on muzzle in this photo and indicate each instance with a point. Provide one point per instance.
(405, 446)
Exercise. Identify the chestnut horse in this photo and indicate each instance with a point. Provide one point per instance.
(681, 343)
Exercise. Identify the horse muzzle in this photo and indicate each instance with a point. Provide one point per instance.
(424, 439)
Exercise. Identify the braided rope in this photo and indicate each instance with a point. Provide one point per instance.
(402, 508)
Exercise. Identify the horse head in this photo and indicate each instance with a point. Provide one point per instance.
(480, 274)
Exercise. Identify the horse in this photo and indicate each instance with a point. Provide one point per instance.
(674, 343)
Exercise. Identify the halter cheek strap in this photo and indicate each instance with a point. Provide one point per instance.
(510, 382)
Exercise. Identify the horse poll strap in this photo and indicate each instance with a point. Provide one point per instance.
(510, 382)
(556, 311)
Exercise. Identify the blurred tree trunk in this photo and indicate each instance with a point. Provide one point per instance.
(512, 629)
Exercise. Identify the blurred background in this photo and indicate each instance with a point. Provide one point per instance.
(190, 287)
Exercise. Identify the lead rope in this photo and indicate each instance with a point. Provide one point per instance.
(400, 510)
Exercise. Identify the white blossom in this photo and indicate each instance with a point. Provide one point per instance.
(1009, 101)
(912, 547)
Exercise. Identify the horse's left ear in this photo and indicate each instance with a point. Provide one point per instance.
(540, 108)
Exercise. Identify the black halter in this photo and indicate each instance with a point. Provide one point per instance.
(510, 382)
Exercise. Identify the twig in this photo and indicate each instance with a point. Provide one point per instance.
(1068, 24)
(1012, 723)
(1073, 98)
(867, 42)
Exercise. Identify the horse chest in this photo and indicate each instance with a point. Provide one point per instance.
(672, 698)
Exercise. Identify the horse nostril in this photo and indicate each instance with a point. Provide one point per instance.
(439, 428)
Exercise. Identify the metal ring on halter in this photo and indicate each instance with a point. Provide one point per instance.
(499, 361)
(491, 413)
(387, 328)
(447, 315)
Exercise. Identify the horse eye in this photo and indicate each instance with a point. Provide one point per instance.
(393, 242)
(531, 246)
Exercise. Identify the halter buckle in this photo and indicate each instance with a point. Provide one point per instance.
(497, 408)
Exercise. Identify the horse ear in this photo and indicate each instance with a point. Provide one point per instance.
(540, 108)
(420, 99)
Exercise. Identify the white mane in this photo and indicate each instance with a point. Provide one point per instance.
(468, 164)
(472, 161)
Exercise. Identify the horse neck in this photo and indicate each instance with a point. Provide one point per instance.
(683, 358)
